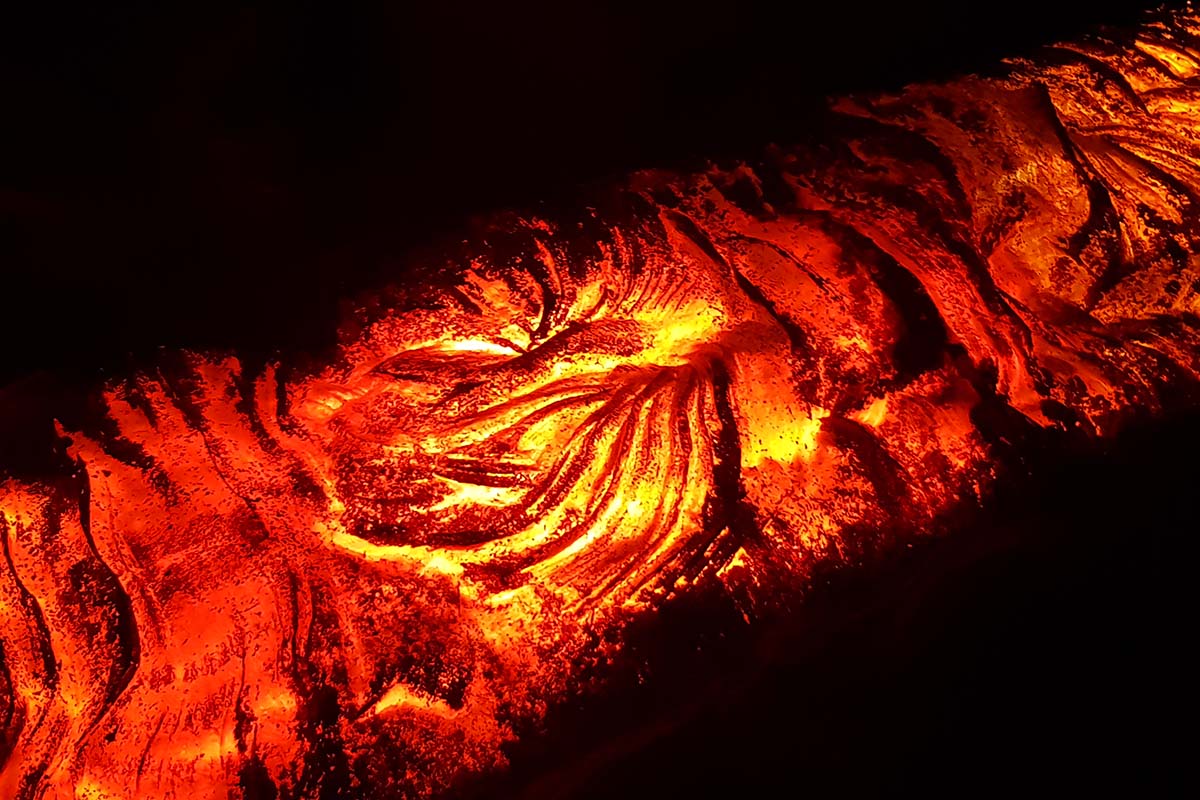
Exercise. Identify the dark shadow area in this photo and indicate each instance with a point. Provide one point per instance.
(186, 175)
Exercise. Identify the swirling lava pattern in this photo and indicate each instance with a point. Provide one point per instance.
(363, 579)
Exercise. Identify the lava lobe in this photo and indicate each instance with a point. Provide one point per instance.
(365, 579)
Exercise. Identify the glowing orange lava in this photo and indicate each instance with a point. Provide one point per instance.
(360, 581)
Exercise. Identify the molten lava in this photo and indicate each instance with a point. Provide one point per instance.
(361, 580)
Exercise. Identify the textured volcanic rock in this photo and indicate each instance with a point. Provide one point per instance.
(362, 579)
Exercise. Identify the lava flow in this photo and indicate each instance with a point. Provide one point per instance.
(361, 580)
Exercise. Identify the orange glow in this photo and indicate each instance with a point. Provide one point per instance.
(397, 558)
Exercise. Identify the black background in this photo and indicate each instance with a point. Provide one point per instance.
(175, 176)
